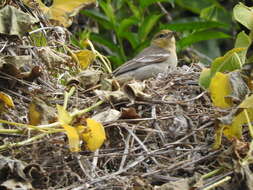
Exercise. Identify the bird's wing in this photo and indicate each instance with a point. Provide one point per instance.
(147, 56)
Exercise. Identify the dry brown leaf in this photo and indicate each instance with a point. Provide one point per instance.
(107, 116)
(52, 57)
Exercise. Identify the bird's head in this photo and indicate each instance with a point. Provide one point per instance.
(164, 39)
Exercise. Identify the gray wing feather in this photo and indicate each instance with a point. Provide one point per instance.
(147, 56)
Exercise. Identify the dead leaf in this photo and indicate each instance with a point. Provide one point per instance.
(134, 91)
(52, 57)
(62, 10)
(182, 184)
(238, 87)
(12, 64)
(13, 184)
(15, 22)
(86, 79)
(107, 116)
(40, 113)
(129, 113)
(115, 96)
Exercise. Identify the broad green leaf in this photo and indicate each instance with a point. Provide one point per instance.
(242, 41)
(148, 24)
(220, 89)
(195, 6)
(99, 17)
(205, 78)
(125, 24)
(201, 36)
(146, 3)
(244, 15)
(216, 13)
(189, 26)
(93, 134)
(229, 62)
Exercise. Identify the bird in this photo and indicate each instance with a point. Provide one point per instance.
(157, 58)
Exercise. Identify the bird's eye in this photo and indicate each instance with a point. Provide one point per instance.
(162, 35)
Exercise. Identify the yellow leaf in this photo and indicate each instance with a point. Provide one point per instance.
(219, 89)
(6, 99)
(73, 137)
(63, 116)
(247, 102)
(62, 10)
(34, 114)
(235, 129)
(93, 134)
(85, 57)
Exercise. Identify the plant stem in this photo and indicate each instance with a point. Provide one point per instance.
(249, 123)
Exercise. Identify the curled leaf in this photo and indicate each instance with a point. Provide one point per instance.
(93, 134)
(85, 58)
(6, 99)
(73, 137)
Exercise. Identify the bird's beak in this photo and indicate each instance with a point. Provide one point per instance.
(171, 34)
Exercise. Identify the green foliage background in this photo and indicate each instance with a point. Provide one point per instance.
(122, 28)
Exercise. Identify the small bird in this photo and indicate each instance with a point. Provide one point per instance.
(157, 58)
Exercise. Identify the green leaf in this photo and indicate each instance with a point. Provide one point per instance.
(244, 15)
(135, 10)
(145, 3)
(189, 26)
(116, 60)
(108, 10)
(216, 13)
(201, 36)
(242, 41)
(148, 25)
(205, 78)
(99, 17)
(103, 41)
(195, 6)
(229, 62)
(125, 24)
(132, 38)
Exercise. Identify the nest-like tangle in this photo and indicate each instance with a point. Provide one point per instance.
(170, 140)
